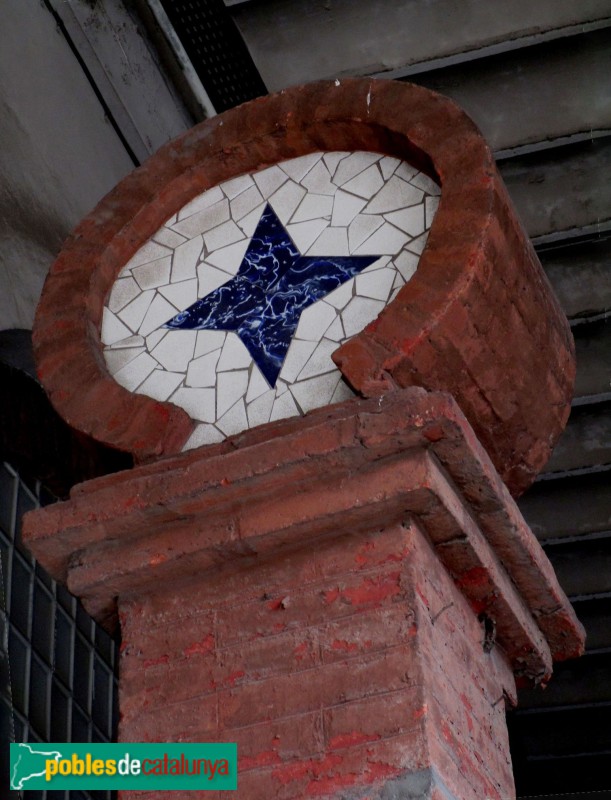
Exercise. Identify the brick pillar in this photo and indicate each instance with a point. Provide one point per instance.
(349, 596)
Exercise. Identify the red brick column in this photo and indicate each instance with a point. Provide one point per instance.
(348, 596)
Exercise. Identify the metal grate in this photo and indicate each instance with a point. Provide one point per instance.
(61, 664)
(216, 50)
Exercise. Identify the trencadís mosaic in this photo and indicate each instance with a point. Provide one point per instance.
(233, 309)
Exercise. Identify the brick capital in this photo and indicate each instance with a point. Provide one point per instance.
(478, 319)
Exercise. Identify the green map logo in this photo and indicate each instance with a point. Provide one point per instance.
(195, 767)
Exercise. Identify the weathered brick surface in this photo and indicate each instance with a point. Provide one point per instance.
(478, 318)
(325, 704)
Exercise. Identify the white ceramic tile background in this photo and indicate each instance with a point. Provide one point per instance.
(331, 204)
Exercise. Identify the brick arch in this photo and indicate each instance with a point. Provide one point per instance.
(478, 319)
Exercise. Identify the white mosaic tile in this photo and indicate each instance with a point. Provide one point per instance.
(223, 235)
(315, 392)
(153, 274)
(284, 407)
(331, 242)
(248, 224)
(315, 320)
(270, 179)
(123, 292)
(180, 294)
(234, 420)
(394, 194)
(207, 341)
(153, 339)
(201, 202)
(203, 434)
(298, 168)
(236, 186)
(151, 251)
(260, 409)
(431, 204)
(198, 403)
(185, 259)
(359, 312)
(361, 228)
(304, 234)
(410, 220)
(175, 352)
(158, 313)
(228, 258)
(388, 165)
(387, 239)
(257, 385)
(281, 387)
(352, 165)
(318, 180)
(244, 203)
(204, 220)
(418, 245)
(117, 359)
(134, 312)
(384, 208)
(342, 392)
(345, 208)
(406, 263)
(296, 358)
(201, 371)
(333, 159)
(335, 331)
(313, 206)
(286, 199)
(129, 341)
(406, 171)
(160, 384)
(376, 285)
(425, 183)
(169, 238)
(339, 297)
(133, 374)
(367, 183)
(113, 330)
(233, 355)
(320, 361)
(231, 386)
(209, 278)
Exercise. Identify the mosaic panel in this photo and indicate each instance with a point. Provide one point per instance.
(297, 258)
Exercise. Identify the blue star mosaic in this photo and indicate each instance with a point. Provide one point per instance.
(263, 302)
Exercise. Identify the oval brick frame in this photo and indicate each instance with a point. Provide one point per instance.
(478, 319)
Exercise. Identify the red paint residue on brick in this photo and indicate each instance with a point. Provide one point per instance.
(418, 713)
(153, 662)
(312, 767)
(434, 433)
(234, 676)
(300, 651)
(478, 576)
(205, 646)
(342, 644)
(331, 596)
(373, 590)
